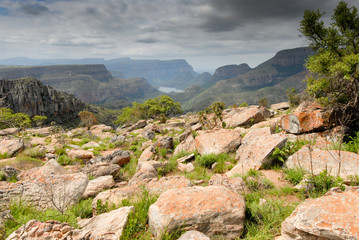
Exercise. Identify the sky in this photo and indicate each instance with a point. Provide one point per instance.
(207, 33)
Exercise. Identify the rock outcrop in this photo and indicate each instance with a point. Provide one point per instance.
(30, 96)
(343, 164)
(45, 187)
(214, 141)
(213, 210)
(333, 216)
(257, 146)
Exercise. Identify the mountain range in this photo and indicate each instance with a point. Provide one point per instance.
(118, 82)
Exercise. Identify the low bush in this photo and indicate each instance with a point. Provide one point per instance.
(294, 175)
(22, 213)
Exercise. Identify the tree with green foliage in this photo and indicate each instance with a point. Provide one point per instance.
(10, 119)
(157, 108)
(334, 68)
(212, 114)
(38, 120)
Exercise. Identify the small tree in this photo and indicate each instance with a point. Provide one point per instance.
(38, 120)
(212, 115)
(87, 118)
(10, 119)
(334, 69)
(263, 102)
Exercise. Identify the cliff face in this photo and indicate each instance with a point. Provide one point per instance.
(91, 83)
(157, 72)
(230, 71)
(30, 96)
(55, 73)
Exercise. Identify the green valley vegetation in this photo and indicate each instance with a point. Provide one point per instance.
(20, 120)
(334, 69)
(157, 108)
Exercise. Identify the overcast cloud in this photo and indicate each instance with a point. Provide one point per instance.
(207, 33)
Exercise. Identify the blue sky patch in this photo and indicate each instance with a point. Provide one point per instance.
(4, 11)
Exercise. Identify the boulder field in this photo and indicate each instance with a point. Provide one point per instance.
(169, 164)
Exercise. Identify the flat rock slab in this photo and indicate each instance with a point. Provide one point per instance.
(257, 146)
(245, 116)
(333, 216)
(212, 210)
(107, 226)
(214, 141)
(328, 160)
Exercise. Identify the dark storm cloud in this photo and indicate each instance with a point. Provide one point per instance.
(146, 40)
(208, 33)
(230, 14)
(33, 9)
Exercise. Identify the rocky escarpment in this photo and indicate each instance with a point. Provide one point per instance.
(53, 74)
(230, 71)
(30, 96)
(92, 83)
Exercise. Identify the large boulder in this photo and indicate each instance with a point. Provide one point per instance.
(257, 146)
(246, 116)
(97, 185)
(154, 185)
(107, 226)
(318, 160)
(213, 210)
(11, 145)
(212, 141)
(333, 216)
(45, 187)
(308, 117)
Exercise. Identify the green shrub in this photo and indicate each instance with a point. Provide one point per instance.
(137, 225)
(4, 155)
(23, 162)
(244, 104)
(294, 175)
(65, 160)
(280, 155)
(103, 208)
(2, 176)
(33, 153)
(323, 182)
(264, 221)
(353, 144)
(212, 115)
(22, 213)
